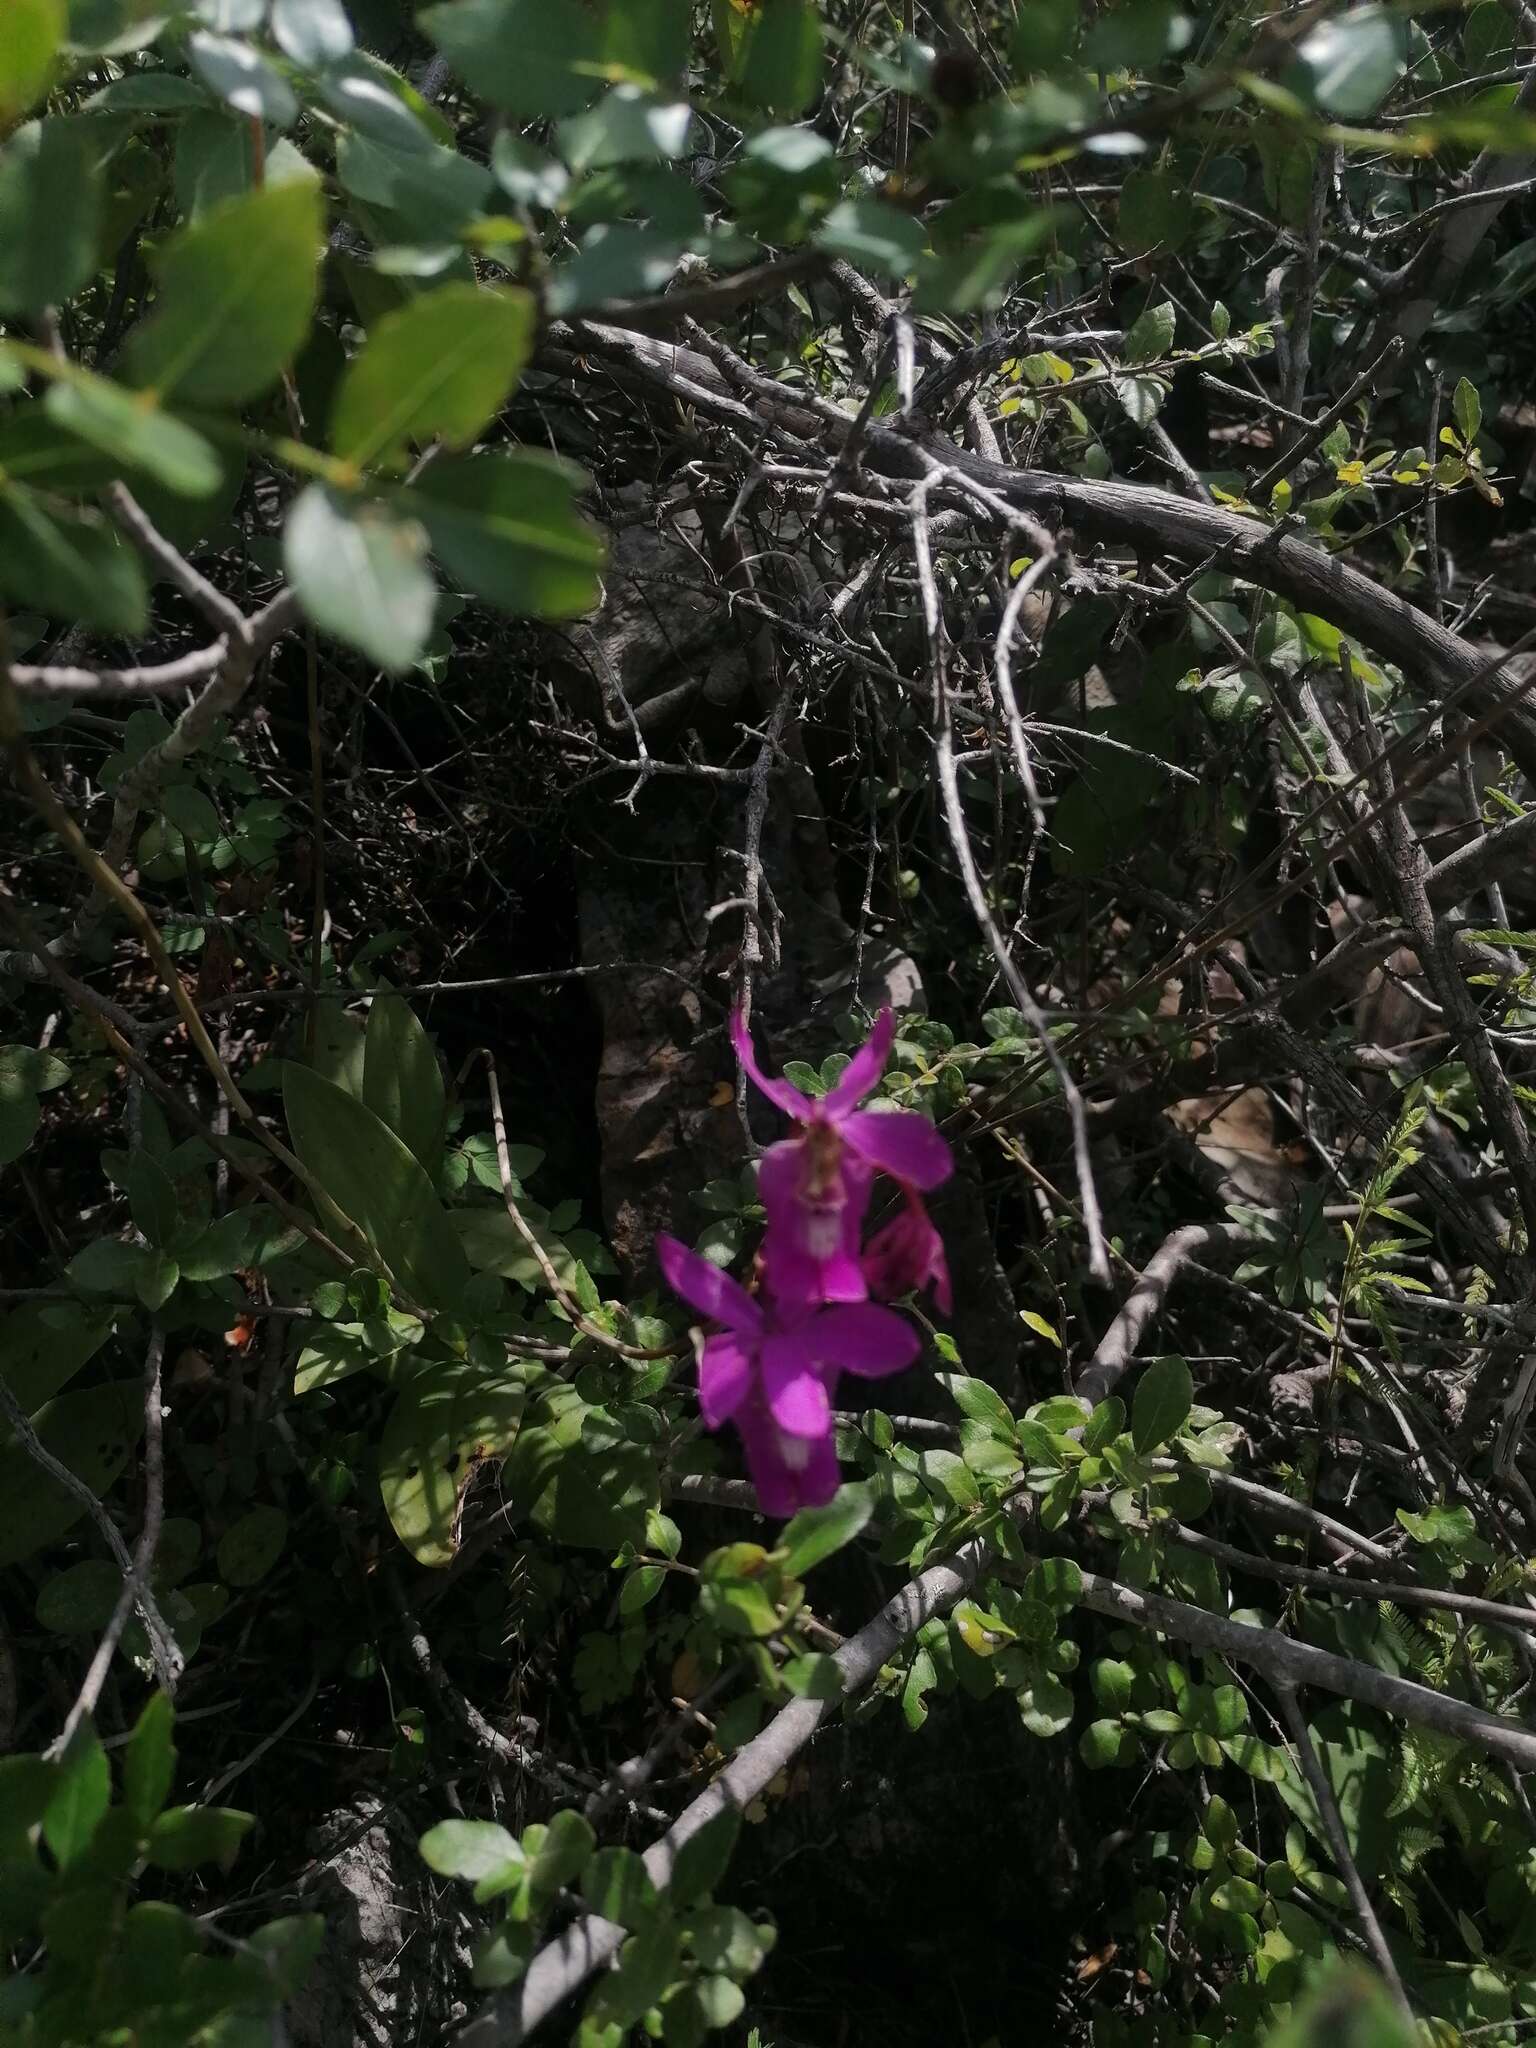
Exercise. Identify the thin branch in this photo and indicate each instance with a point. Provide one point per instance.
(1338, 1841)
(1119, 1344)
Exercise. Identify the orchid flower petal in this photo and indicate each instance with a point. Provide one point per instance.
(725, 1378)
(899, 1142)
(796, 1395)
(860, 1337)
(706, 1288)
(907, 1255)
(789, 1472)
(780, 1092)
(811, 1251)
(862, 1071)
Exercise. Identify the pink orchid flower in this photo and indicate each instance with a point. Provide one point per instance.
(907, 1255)
(816, 1187)
(772, 1372)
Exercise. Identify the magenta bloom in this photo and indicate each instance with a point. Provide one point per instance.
(771, 1372)
(816, 1187)
(907, 1256)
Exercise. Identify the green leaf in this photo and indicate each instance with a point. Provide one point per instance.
(528, 176)
(979, 1402)
(1468, 410)
(19, 1119)
(1057, 1582)
(562, 1855)
(402, 1081)
(249, 1548)
(616, 260)
(34, 30)
(360, 572)
(650, 38)
(1043, 34)
(647, 1966)
(641, 1588)
(1349, 64)
(72, 565)
(1151, 337)
(243, 79)
(815, 1533)
(26, 1786)
(505, 526)
(702, 1861)
(184, 1836)
(377, 1183)
(149, 1762)
(524, 55)
(1102, 1744)
(1165, 1394)
(222, 1248)
(1045, 1706)
(469, 1849)
(617, 1884)
(44, 1344)
(50, 207)
(80, 1600)
(237, 293)
(431, 194)
(779, 67)
(502, 1955)
(1156, 210)
(313, 33)
(137, 434)
(626, 126)
(447, 1419)
(92, 1432)
(979, 273)
(23, 1067)
(874, 235)
(367, 95)
(439, 368)
(81, 1795)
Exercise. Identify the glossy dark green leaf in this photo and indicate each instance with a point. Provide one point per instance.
(524, 55)
(617, 1884)
(1164, 1396)
(250, 1547)
(82, 1791)
(439, 368)
(185, 1836)
(814, 1534)
(650, 38)
(360, 572)
(236, 295)
(402, 1080)
(446, 1419)
(375, 1182)
(506, 526)
(779, 67)
(312, 32)
(149, 1761)
(426, 193)
(138, 435)
(72, 565)
(34, 29)
(469, 1849)
(873, 235)
(702, 1861)
(1348, 64)
(628, 125)
(243, 79)
(50, 205)
(616, 260)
